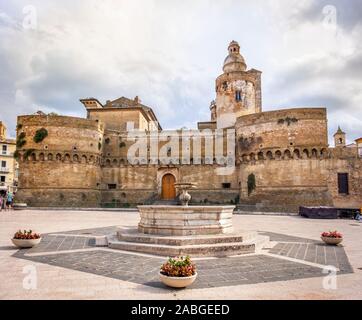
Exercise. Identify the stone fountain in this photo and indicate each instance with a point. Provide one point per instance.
(171, 230)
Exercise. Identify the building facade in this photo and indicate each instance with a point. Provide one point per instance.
(8, 165)
(280, 159)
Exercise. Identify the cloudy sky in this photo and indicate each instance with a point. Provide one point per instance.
(169, 53)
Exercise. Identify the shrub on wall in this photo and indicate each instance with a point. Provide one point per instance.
(20, 142)
(40, 135)
(16, 154)
(251, 183)
(287, 120)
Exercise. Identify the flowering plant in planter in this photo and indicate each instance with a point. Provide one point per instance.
(332, 234)
(178, 272)
(332, 237)
(26, 235)
(178, 267)
(26, 239)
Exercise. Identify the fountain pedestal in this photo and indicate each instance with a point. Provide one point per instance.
(186, 230)
(185, 220)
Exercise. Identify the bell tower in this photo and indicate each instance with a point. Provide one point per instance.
(238, 90)
(340, 138)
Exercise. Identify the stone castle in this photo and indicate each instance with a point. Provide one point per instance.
(282, 158)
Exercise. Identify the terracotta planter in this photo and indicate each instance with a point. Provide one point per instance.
(25, 243)
(178, 282)
(332, 241)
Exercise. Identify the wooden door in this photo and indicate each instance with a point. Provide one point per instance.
(168, 187)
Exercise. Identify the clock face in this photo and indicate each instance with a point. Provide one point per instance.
(239, 84)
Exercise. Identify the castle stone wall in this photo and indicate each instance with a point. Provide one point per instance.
(64, 168)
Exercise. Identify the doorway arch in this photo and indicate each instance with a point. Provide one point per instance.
(168, 187)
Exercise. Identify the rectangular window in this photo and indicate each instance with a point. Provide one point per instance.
(343, 183)
(226, 185)
(2, 179)
(112, 186)
(5, 149)
(3, 164)
(238, 95)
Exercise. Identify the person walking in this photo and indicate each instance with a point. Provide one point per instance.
(1, 203)
(9, 200)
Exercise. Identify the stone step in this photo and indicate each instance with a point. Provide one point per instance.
(184, 240)
(199, 250)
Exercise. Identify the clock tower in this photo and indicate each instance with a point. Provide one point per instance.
(238, 90)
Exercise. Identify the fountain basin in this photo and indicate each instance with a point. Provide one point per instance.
(185, 220)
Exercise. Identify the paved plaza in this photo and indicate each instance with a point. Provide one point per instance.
(70, 263)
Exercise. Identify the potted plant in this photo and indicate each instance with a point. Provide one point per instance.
(178, 272)
(26, 239)
(332, 237)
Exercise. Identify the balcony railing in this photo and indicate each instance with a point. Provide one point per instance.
(4, 170)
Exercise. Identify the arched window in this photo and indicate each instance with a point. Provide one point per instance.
(278, 155)
(305, 154)
(324, 153)
(296, 154)
(287, 155)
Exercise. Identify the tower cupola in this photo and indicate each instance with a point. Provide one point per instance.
(234, 61)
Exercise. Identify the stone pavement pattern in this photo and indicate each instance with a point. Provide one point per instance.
(91, 272)
(212, 272)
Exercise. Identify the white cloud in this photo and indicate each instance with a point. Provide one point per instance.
(170, 52)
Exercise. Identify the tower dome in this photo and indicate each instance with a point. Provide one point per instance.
(234, 61)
